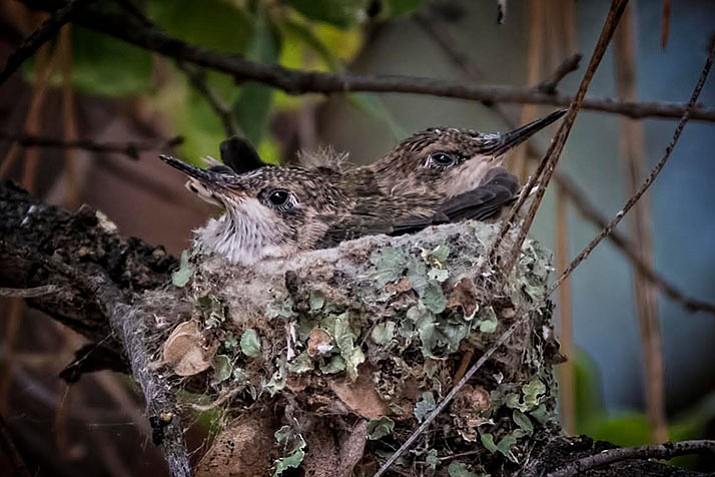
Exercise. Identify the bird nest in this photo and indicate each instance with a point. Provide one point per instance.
(324, 363)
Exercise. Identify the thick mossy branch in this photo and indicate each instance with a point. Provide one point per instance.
(32, 232)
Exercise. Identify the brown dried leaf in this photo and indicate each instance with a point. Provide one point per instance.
(185, 350)
(319, 342)
(467, 409)
(360, 396)
(464, 296)
(403, 285)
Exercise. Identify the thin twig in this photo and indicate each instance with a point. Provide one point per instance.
(658, 451)
(39, 37)
(448, 398)
(197, 78)
(546, 168)
(28, 292)
(649, 180)
(129, 149)
(590, 213)
(129, 29)
(569, 65)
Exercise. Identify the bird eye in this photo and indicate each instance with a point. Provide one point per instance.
(441, 160)
(280, 199)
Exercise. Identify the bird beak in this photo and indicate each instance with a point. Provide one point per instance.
(511, 139)
(210, 185)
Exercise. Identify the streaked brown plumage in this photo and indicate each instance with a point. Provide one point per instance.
(438, 175)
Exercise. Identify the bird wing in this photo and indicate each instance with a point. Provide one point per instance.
(498, 189)
(238, 154)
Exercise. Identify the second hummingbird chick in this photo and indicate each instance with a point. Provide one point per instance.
(440, 163)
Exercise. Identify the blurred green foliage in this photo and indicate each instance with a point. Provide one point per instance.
(627, 427)
(316, 35)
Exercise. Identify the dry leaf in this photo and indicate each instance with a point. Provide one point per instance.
(464, 296)
(185, 350)
(360, 396)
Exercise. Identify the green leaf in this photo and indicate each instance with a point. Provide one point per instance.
(214, 24)
(296, 445)
(182, 276)
(301, 363)
(316, 300)
(308, 36)
(105, 66)
(424, 406)
(523, 421)
(341, 13)
(488, 442)
(488, 322)
(335, 365)
(434, 299)
(379, 428)
(383, 333)
(222, 368)
(250, 343)
(432, 459)
(390, 264)
(254, 105)
(533, 391)
(504, 447)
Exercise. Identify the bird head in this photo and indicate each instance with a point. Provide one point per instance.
(270, 211)
(449, 161)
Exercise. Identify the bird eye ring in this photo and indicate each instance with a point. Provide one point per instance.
(441, 160)
(280, 199)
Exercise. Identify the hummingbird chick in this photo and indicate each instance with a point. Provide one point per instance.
(445, 162)
(269, 212)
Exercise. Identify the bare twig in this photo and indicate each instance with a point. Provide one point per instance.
(197, 78)
(448, 398)
(8, 445)
(569, 65)
(28, 292)
(39, 37)
(129, 29)
(546, 168)
(129, 149)
(658, 451)
(649, 180)
(624, 245)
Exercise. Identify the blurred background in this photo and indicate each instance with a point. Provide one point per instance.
(640, 365)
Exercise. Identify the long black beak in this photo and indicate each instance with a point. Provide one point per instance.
(511, 139)
(209, 178)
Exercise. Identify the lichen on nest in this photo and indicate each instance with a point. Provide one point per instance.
(374, 330)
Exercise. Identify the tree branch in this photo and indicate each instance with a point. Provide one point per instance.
(131, 30)
(47, 30)
(658, 451)
(129, 149)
